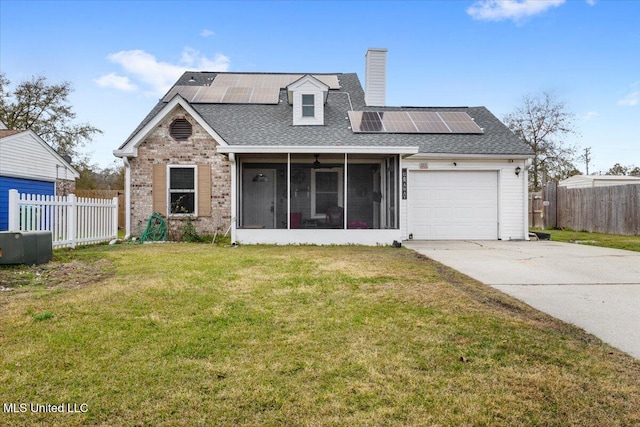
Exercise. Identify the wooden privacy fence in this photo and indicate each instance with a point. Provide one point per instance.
(612, 209)
(72, 220)
(536, 212)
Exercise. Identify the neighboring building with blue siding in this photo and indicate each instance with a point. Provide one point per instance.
(28, 164)
(28, 186)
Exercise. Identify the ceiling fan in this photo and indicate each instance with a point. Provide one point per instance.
(318, 165)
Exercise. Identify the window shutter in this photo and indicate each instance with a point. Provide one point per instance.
(159, 189)
(204, 190)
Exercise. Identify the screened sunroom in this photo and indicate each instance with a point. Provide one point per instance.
(317, 198)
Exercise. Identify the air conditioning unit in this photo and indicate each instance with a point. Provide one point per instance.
(26, 247)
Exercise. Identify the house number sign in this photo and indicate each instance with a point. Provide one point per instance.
(404, 184)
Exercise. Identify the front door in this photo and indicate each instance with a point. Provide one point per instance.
(258, 198)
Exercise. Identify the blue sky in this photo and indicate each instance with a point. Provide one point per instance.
(121, 56)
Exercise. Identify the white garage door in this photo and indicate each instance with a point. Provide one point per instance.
(460, 205)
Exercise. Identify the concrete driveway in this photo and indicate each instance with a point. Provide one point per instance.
(596, 289)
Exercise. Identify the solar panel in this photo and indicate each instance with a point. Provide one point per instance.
(460, 122)
(262, 95)
(225, 94)
(365, 121)
(355, 117)
(446, 122)
(244, 88)
(226, 80)
(428, 122)
(397, 122)
(209, 94)
(371, 122)
(237, 95)
(279, 81)
(187, 92)
(330, 80)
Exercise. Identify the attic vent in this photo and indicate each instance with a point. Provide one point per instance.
(180, 129)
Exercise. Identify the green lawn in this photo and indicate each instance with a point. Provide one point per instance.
(616, 241)
(195, 334)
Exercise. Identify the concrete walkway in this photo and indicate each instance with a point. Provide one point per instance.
(596, 289)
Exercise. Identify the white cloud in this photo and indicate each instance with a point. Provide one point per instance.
(112, 80)
(147, 69)
(157, 76)
(206, 33)
(591, 2)
(632, 98)
(499, 10)
(590, 115)
(191, 58)
(219, 63)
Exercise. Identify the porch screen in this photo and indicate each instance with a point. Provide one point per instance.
(327, 191)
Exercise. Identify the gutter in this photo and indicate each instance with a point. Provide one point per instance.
(324, 149)
(470, 156)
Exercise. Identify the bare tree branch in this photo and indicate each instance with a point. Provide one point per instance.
(44, 109)
(541, 122)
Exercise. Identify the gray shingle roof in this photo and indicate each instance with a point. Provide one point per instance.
(253, 124)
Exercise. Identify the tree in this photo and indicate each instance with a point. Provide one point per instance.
(620, 170)
(94, 178)
(541, 122)
(43, 108)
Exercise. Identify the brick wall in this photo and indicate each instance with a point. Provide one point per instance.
(64, 187)
(161, 148)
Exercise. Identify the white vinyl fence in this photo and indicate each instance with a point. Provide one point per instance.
(72, 220)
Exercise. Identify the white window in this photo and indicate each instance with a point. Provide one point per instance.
(182, 190)
(308, 106)
(326, 191)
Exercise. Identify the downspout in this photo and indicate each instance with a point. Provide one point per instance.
(344, 195)
(396, 192)
(127, 197)
(525, 183)
(234, 190)
(403, 206)
(288, 191)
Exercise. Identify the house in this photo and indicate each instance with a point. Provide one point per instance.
(588, 181)
(28, 164)
(313, 158)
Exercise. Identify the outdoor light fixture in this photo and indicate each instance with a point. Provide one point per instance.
(518, 169)
(316, 164)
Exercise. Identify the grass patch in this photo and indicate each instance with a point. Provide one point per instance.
(69, 268)
(45, 315)
(615, 241)
(185, 334)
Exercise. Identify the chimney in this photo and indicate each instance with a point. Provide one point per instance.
(375, 77)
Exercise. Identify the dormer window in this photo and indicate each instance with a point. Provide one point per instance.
(308, 106)
(307, 96)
